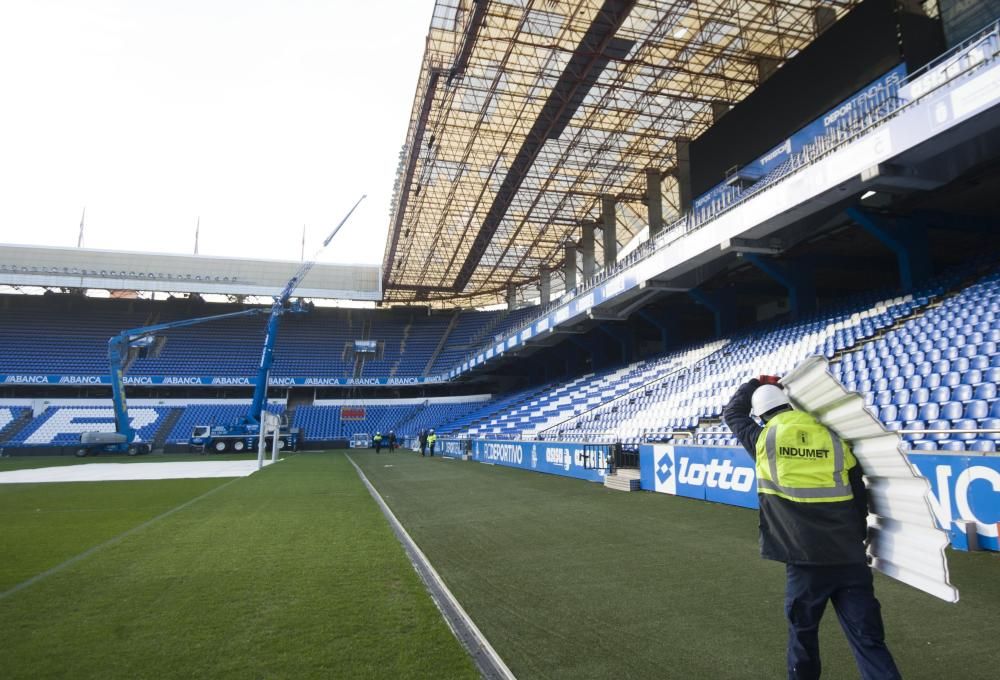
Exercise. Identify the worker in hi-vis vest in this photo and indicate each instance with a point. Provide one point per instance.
(377, 442)
(813, 517)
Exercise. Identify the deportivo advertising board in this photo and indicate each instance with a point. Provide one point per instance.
(452, 448)
(554, 458)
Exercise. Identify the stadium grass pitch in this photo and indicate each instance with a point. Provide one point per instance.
(293, 572)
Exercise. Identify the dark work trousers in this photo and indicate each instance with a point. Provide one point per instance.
(850, 589)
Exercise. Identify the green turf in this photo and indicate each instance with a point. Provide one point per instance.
(570, 580)
(290, 573)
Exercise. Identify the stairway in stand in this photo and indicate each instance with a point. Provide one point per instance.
(623, 479)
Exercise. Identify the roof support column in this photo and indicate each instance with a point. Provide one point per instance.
(721, 306)
(909, 244)
(609, 228)
(621, 336)
(766, 66)
(544, 285)
(719, 109)
(823, 18)
(591, 348)
(684, 173)
(658, 324)
(654, 201)
(511, 296)
(797, 280)
(569, 267)
(587, 248)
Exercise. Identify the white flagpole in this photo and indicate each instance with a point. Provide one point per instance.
(79, 239)
(197, 228)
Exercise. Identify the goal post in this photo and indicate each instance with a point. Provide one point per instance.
(270, 423)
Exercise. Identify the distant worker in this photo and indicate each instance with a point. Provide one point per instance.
(392, 440)
(377, 441)
(431, 440)
(813, 510)
(423, 442)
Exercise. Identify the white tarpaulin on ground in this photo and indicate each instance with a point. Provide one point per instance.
(906, 542)
(105, 472)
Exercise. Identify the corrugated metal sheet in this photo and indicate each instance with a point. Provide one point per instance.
(905, 542)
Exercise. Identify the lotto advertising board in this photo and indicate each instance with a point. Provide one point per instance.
(964, 489)
(554, 458)
(717, 474)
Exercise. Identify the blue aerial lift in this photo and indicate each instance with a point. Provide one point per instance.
(237, 436)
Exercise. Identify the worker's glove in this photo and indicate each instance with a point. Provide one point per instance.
(769, 380)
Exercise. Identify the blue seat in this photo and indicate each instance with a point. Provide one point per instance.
(961, 392)
(937, 425)
(951, 410)
(907, 412)
(995, 409)
(932, 380)
(991, 375)
(920, 396)
(901, 397)
(972, 376)
(914, 425)
(941, 367)
(941, 394)
(990, 424)
(964, 424)
(887, 413)
(929, 411)
(983, 446)
(950, 445)
(951, 378)
(897, 383)
(883, 397)
(914, 382)
(923, 445)
(977, 409)
(986, 390)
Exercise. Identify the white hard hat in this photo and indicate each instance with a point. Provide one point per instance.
(767, 397)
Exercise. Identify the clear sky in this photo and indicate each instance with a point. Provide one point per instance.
(258, 116)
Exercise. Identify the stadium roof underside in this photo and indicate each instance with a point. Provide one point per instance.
(527, 112)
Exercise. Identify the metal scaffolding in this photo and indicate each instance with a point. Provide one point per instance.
(529, 112)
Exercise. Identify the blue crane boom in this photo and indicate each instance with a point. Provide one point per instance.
(277, 309)
(123, 439)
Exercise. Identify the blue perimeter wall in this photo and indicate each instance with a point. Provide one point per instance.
(963, 488)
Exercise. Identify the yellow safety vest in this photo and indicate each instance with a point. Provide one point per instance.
(802, 460)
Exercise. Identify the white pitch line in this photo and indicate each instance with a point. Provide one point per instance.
(458, 621)
(111, 541)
